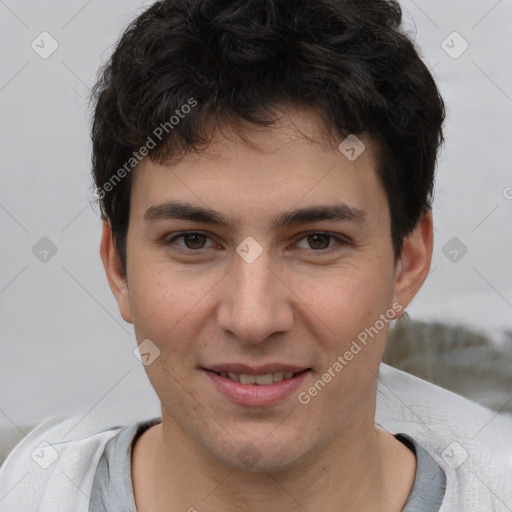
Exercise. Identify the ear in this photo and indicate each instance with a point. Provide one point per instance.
(414, 264)
(116, 279)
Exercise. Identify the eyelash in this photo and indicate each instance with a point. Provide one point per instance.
(340, 241)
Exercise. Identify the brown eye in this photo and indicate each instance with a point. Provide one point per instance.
(319, 241)
(192, 241)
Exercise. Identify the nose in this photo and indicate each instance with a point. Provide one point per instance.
(256, 301)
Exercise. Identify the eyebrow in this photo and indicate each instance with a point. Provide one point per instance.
(178, 210)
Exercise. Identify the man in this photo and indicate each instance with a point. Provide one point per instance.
(265, 173)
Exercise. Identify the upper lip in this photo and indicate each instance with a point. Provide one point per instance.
(255, 370)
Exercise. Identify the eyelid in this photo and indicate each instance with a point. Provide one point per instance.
(340, 239)
(182, 234)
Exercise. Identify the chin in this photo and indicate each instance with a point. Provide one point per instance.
(255, 453)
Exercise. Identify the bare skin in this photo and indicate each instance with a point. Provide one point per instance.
(296, 304)
(394, 468)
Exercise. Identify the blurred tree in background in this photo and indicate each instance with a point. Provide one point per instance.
(456, 358)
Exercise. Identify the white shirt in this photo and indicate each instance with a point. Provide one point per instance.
(472, 444)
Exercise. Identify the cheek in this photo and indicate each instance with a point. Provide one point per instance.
(159, 301)
(170, 306)
(351, 306)
(165, 311)
(348, 301)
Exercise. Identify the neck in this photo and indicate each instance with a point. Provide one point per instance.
(364, 468)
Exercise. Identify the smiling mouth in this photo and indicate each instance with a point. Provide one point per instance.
(259, 380)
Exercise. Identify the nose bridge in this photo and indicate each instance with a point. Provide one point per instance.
(255, 303)
(254, 282)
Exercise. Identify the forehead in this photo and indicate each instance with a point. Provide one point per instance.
(258, 169)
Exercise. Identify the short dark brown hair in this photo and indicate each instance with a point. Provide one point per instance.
(182, 64)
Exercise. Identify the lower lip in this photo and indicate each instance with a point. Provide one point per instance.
(253, 394)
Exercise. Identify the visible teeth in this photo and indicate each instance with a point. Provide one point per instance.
(261, 380)
(278, 376)
(264, 380)
(247, 379)
(234, 376)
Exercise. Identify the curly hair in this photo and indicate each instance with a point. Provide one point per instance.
(204, 62)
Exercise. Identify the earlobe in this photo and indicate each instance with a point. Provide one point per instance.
(415, 260)
(115, 276)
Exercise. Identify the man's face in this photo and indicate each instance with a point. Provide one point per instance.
(299, 304)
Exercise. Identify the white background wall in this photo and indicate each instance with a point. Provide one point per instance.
(63, 344)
